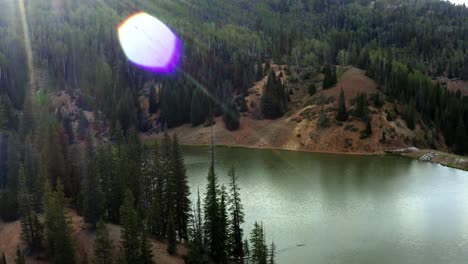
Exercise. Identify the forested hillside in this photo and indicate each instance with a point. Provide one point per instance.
(75, 44)
(76, 132)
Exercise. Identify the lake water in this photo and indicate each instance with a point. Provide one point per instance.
(346, 209)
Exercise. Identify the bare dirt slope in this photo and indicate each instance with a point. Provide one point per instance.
(84, 243)
(299, 129)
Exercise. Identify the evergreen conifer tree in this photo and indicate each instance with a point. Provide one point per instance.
(236, 220)
(212, 223)
(103, 248)
(171, 233)
(57, 226)
(342, 112)
(19, 257)
(181, 191)
(130, 229)
(272, 255)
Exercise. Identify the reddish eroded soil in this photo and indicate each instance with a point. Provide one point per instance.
(299, 129)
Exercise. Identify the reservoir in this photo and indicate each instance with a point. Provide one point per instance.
(327, 208)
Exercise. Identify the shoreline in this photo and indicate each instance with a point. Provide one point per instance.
(414, 155)
(449, 160)
(288, 149)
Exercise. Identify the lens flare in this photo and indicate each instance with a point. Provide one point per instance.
(149, 43)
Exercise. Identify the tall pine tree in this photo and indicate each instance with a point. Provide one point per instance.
(103, 248)
(236, 220)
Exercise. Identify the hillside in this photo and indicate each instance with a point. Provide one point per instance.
(299, 128)
(84, 243)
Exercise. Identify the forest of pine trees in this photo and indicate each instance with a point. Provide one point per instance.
(45, 169)
(274, 97)
(225, 57)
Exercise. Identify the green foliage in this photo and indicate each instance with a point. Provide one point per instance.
(312, 89)
(272, 254)
(343, 57)
(274, 99)
(213, 230)
(146, 250)
(362, 106)
(342, 114)
(57, 227)
(103, 248)
(181, 191)
(130, 235)
(199, 109)
(330, 77)
(461, 138)
(93, 197)
(231, 117)
(259, 72)
(391, 115)
(171, 234)
(236, 220)
(324, 121)
(378, 102)
(31, 228)
(409, 114)
(259, 248)
(367, 132)
(19, 257)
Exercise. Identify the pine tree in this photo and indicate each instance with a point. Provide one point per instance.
(19, 257)
(198, 110)
(236, 220)
(272, 254)
(362, 109)
(312, 89)
(231, 117)
(257, 241)
(9, 197)
(378, 102)
(3, 259)
(157, 220)
(171, 233)
(259, 71)
(31, 228)
(342, 112)
(212, 224)
(105, 171)
(367, 132)
(181, 191)
(223, 224)
(324, 121)
(461, 138)
(274, 100)
(146, 250)
(246, 251)
(103, 248)
(330, 77)
(93, 198)
(130, 229)
(153, 100)
(197, 254)
(58, 229)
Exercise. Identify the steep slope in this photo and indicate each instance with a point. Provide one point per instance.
(299, 129)
(84, 243)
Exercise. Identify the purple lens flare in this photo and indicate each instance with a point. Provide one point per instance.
(149, 43)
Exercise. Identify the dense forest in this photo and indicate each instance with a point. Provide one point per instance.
(227, 46)
(47, 167)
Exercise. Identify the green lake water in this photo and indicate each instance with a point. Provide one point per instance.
(346, 209)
